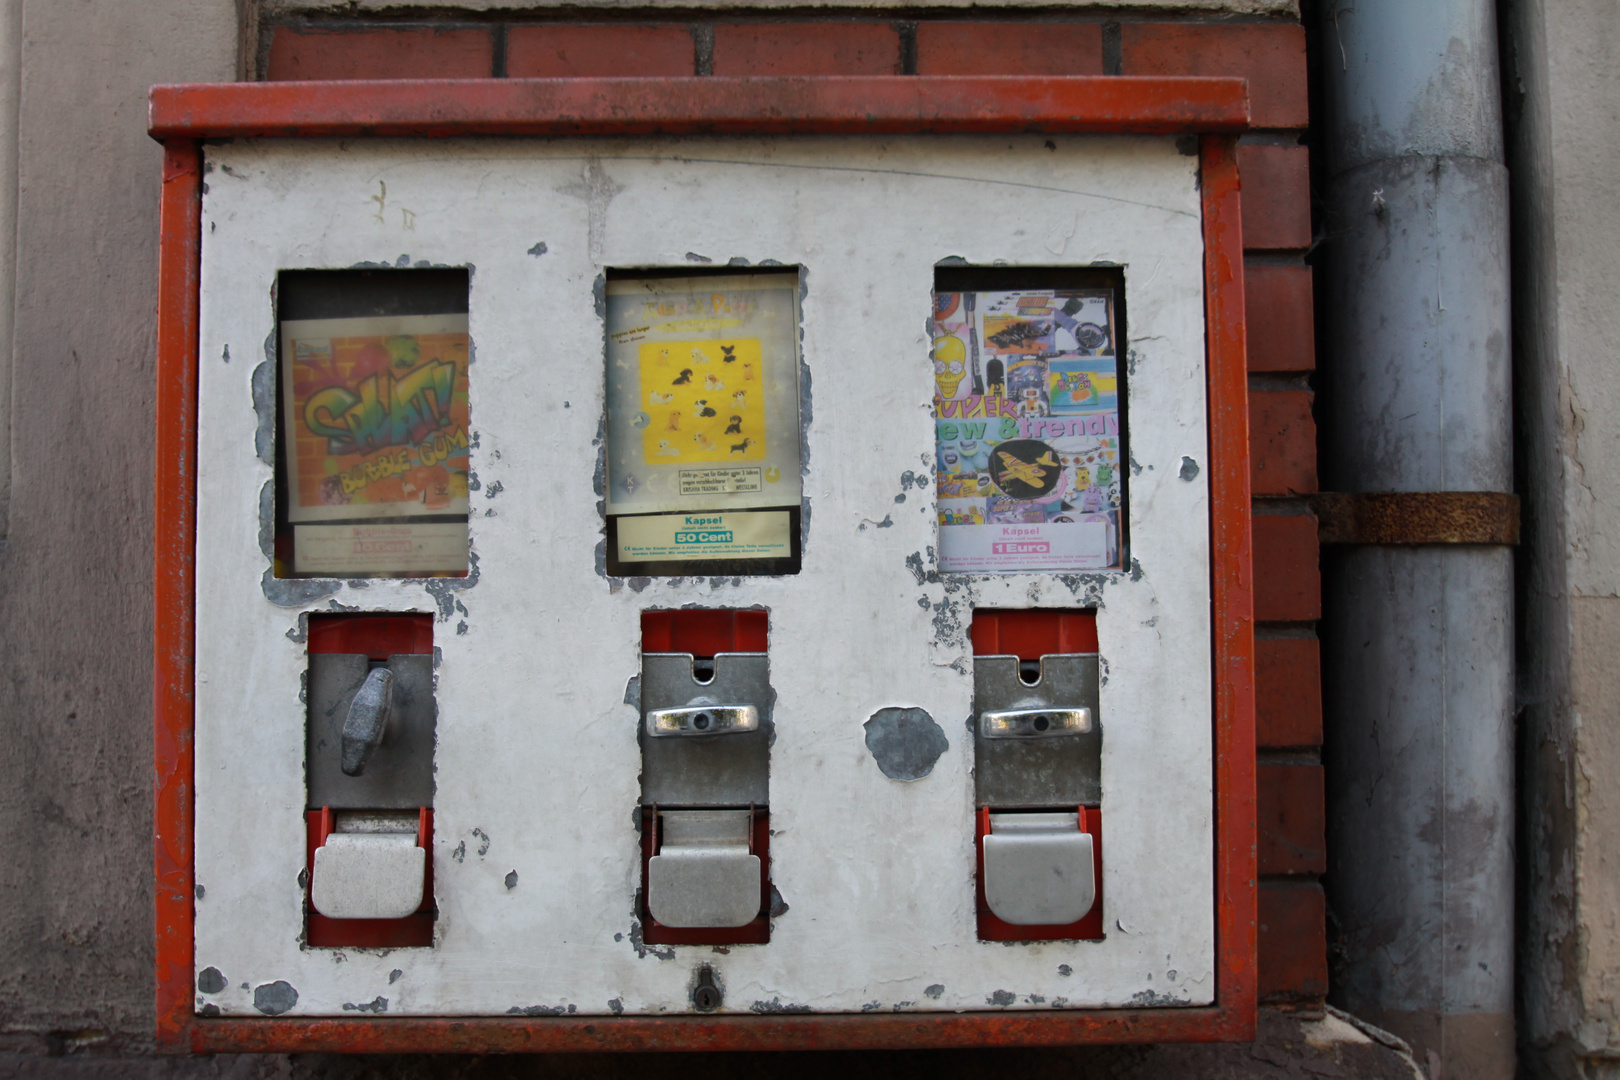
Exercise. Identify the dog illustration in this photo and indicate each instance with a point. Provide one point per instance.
(684, 378)
(666, 450)
(741, 398)
(703, 441)
(712, 383)
(703, 408)
(660, 399)
(742, 447)
(735, 427)
(728, 353)
(674, 423)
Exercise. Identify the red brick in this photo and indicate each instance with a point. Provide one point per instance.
(1293, 941)
(1276, 196)
(1272, 58)
(1281, 316)
(404, 52)
(1282, 442)
(1287, 578)
(806, 48)
(1288, 686)
(1293, 823)
(1009, 48)
(557, 51)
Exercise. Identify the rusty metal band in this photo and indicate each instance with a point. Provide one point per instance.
(1417, 517)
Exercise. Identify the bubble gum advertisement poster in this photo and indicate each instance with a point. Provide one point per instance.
(375, 417)
(702, 392)
(1027, 430)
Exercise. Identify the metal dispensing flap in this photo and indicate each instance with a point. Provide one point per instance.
(1038, 869)
(368, 875)
(1018, 761)
(704, 874)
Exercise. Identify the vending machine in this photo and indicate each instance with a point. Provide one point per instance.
(723, 563)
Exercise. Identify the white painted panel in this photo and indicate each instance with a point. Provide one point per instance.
(537, 761)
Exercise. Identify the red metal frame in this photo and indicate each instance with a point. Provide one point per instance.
(852, 105)
(1215, 109)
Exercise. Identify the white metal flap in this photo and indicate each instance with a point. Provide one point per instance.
(1038, 869)
(368, 876)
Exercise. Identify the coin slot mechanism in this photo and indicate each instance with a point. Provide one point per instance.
(370, 734)
(705, 743)
(1037, 775)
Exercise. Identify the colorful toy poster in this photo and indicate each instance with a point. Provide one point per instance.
(1026, 413)
(703, 406)
(376, 429)
(706, 398)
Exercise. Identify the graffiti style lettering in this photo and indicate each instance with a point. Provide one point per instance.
(385, 411)
(442, 446)
(378, 468)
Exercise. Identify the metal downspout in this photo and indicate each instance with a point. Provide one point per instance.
(1418, 640)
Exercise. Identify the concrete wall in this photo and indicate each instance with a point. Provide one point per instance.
(1561, 61)
(75, 568)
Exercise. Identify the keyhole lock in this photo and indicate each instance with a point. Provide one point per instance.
(701, 721)
(706, 994)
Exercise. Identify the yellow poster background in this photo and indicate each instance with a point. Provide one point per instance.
(705, 401)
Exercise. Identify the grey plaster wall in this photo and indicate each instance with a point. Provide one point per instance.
(76, 564)
(1564, 153)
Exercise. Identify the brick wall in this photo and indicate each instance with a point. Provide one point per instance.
(1277, 232)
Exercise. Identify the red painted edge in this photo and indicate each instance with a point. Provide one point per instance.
(173, 641)
(1232, 586)
(889, 104)
(870, 1031)
(377, 635)
(182, 114)
(1031, 633)
(705, 631)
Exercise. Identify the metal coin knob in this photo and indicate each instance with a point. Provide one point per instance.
(370, 713)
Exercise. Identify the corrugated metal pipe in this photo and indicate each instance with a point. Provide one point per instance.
(1418, 634)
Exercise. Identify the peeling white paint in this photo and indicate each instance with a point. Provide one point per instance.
(537, 762)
